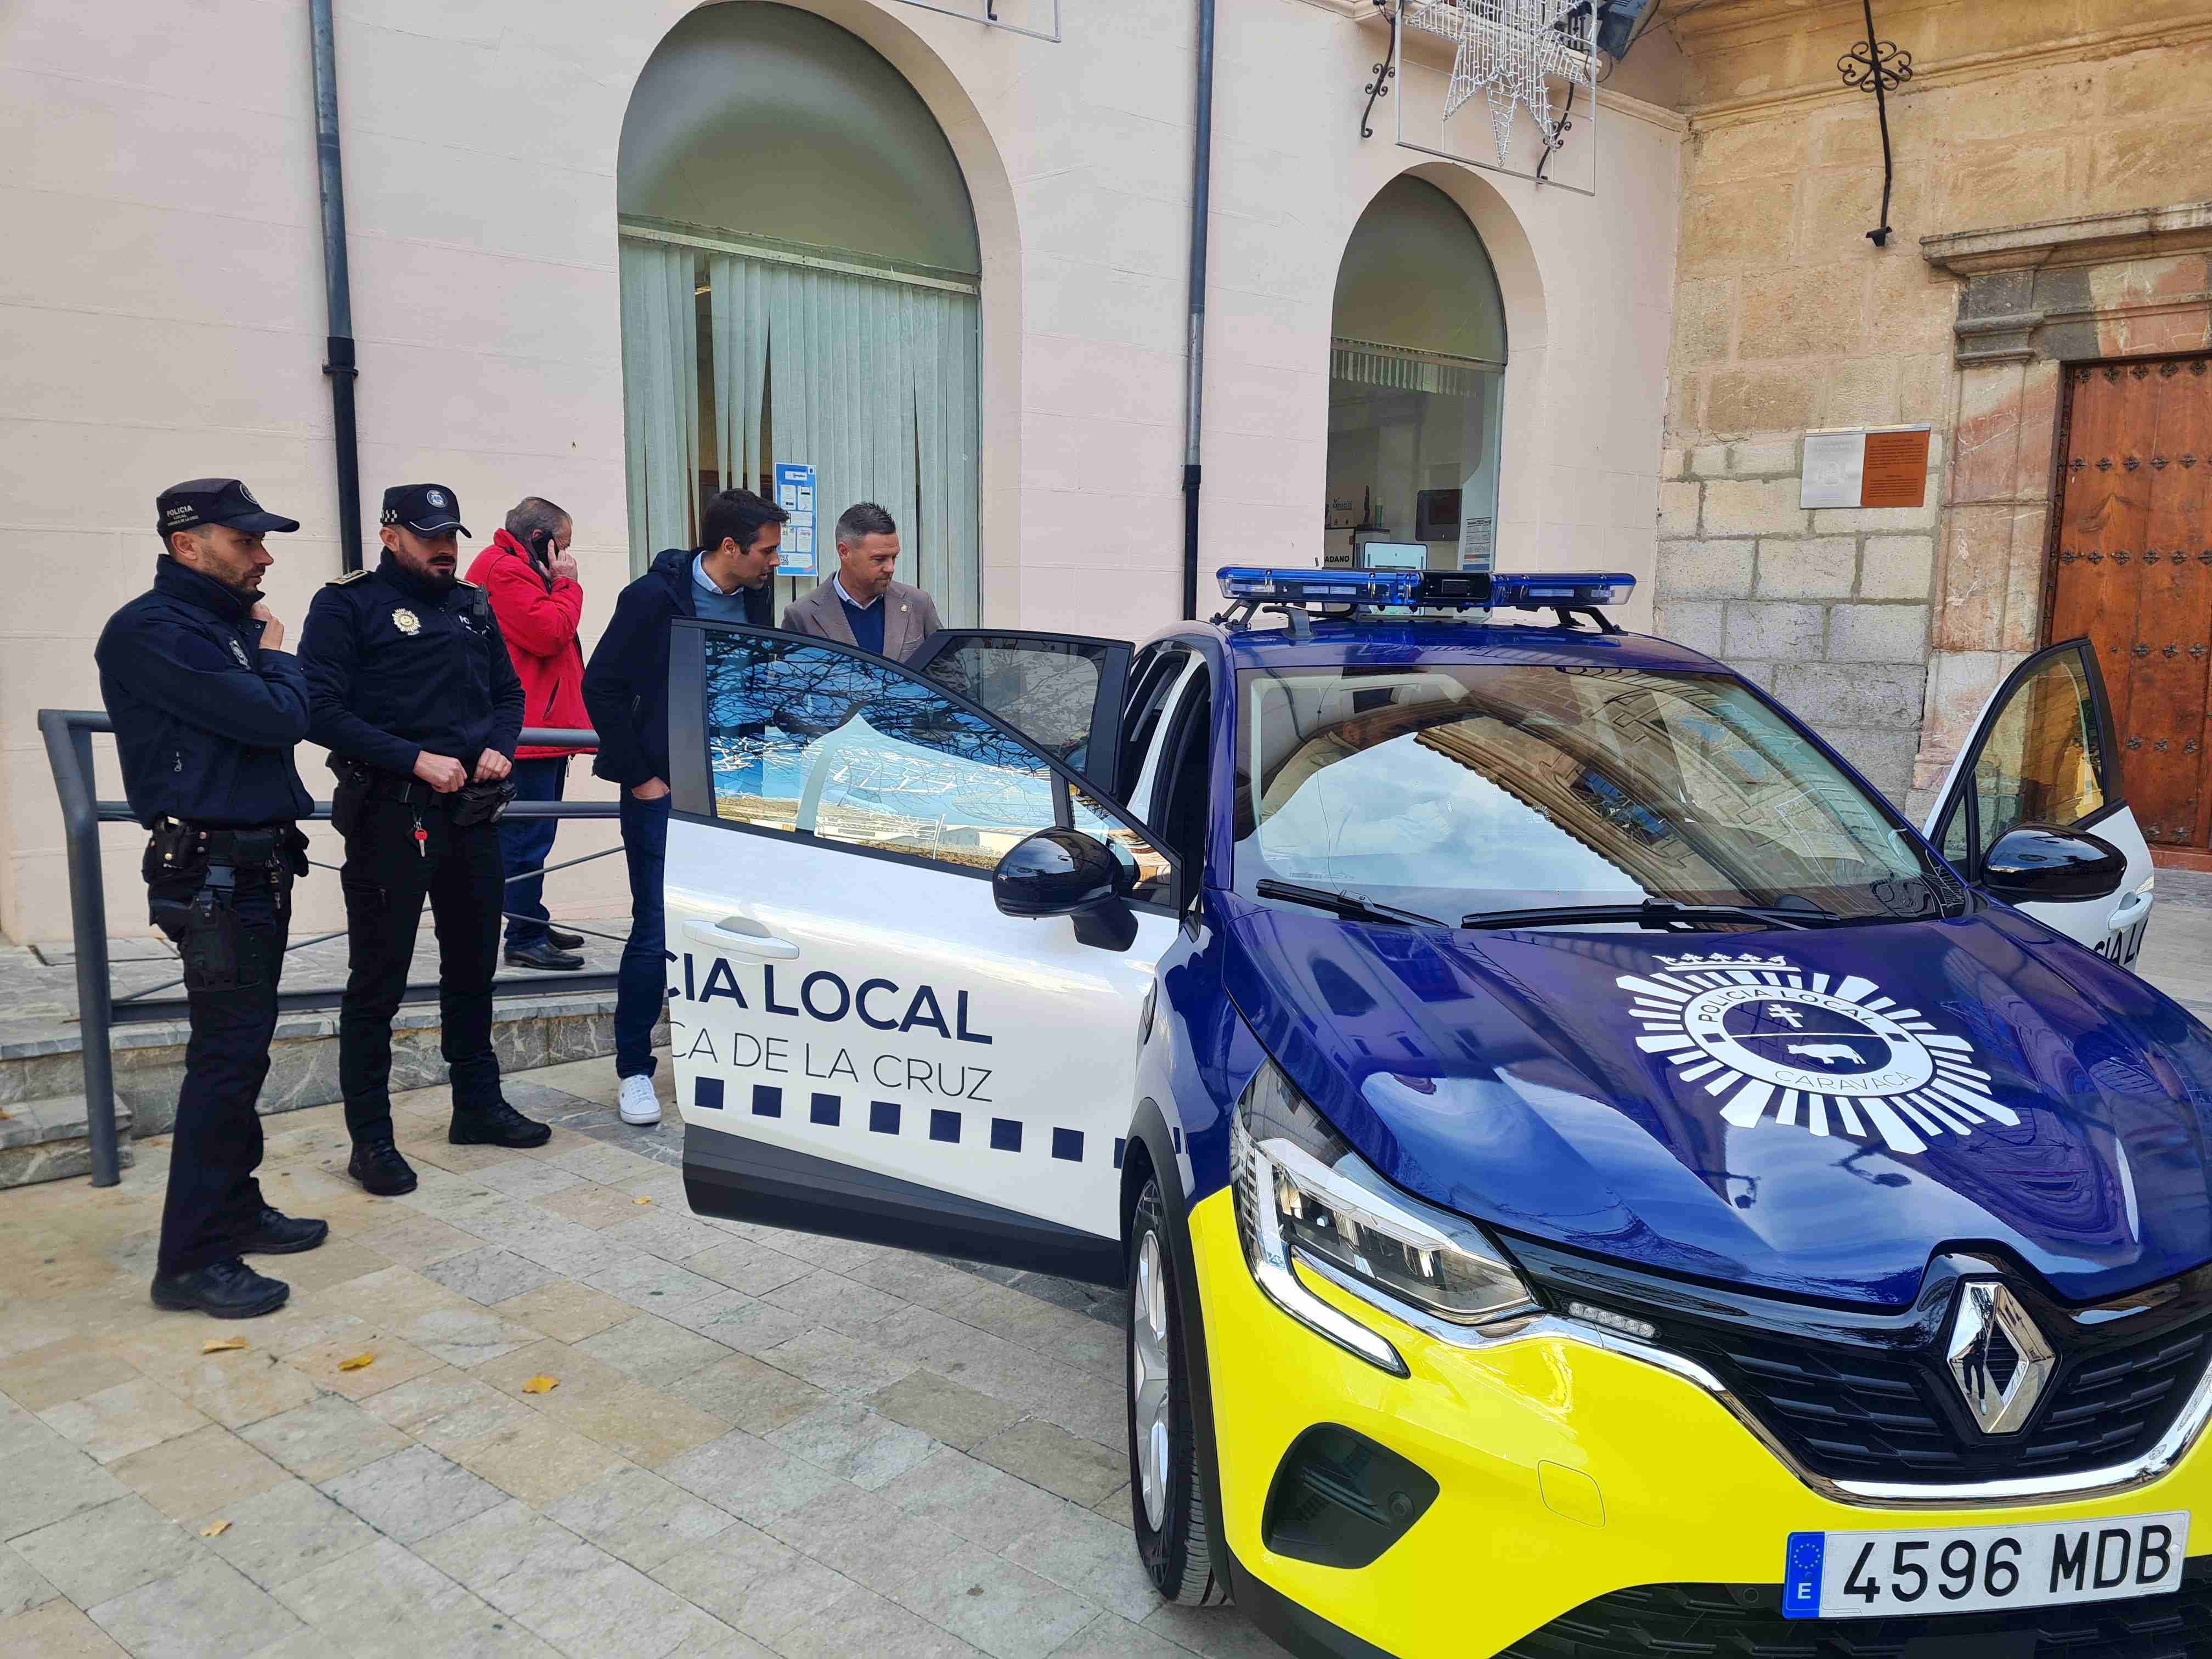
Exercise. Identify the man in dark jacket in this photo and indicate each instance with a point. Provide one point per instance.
(207, 706)
(411, 690)
(728, 578)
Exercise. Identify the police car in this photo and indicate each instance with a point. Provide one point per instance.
(1590, 1179)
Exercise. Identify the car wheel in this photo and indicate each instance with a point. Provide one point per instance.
(1167, 1497)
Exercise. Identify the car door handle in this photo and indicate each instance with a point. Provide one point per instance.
(740, 933)
(2132, 909)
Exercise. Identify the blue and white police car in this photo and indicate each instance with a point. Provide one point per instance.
(1589, 1178)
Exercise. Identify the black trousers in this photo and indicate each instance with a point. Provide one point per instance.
(213, 1200)
(386, 875)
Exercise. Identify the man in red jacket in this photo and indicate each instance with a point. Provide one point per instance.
(531, 582)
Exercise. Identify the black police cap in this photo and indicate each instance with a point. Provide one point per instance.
(198, 501)
(426, 509)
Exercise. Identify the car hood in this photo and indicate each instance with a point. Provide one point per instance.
(1814, 1113)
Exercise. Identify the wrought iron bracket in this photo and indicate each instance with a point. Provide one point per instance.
(1880, 67)
(1380, 85)
(1558, 135)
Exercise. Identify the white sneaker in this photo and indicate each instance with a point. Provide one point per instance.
(639, 1103)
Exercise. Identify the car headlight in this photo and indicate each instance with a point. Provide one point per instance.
(1304, 1195)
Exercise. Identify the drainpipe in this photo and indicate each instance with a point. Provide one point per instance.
(1200, 183)
(337, 284)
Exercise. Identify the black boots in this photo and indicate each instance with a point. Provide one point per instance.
(278, 1234)
(544, 955)
(496, 1125)
(227, 1289)
(381, 1169)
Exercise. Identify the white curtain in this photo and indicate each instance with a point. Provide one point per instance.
(739, 312)
(660, 396)
(872, 381)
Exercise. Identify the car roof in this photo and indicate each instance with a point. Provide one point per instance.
(1370, 640)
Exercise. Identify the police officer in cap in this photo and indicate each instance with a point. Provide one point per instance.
(207, 705)
(413, 691)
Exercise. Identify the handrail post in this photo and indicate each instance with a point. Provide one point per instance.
(69, 752)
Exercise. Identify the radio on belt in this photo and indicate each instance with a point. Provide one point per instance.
(1434, 590)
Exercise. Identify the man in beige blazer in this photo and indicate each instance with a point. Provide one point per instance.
(859, 604)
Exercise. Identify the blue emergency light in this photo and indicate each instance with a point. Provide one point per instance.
(1433, 590)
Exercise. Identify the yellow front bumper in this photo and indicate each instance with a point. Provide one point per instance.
(1567, 1472)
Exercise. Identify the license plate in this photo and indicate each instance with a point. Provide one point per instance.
(1886, 1575)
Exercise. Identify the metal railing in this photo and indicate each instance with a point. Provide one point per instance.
(68, 733)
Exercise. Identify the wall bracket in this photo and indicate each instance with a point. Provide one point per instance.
(1880, 67)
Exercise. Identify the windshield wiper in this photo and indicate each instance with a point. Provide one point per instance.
(1349, 905)
(1655, 913)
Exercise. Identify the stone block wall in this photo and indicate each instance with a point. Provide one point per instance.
(1828, 610)
(2034, 123)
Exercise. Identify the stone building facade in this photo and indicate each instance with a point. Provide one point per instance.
(2039, 150)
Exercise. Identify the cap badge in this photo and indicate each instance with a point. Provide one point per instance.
(249, 494)
(435, 497)
(406, 621)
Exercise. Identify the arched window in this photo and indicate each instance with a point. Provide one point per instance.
(800, 274)
(1416, 372)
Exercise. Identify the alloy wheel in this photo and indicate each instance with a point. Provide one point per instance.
(1153, 1373)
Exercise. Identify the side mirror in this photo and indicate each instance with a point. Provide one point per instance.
(1064, 872)
(2035, 864)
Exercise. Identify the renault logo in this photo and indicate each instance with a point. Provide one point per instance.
(1997, 1358)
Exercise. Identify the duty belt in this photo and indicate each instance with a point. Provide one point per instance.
(187, 845)
(380, 785)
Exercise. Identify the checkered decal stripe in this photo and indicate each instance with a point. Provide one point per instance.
(888, 1117)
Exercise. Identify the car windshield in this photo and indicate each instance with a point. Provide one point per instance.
(1453, 790)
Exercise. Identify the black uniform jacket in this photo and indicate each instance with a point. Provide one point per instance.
(205, 719)
(395, 666)
(626, 683)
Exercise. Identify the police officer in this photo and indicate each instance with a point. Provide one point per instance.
(411, 690)
(207, 705)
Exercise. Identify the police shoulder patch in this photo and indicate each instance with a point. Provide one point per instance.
(348, 576)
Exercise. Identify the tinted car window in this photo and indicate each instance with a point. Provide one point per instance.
(1046, 690)
(2043, 761)
(805, 738)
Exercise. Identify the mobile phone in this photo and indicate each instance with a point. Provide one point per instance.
(541, 546)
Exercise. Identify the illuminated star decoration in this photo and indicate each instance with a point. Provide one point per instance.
(1508, 48)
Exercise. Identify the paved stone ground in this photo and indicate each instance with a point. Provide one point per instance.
(760, 1443)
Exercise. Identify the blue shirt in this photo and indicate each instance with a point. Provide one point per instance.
(867, 621)
(709, 601)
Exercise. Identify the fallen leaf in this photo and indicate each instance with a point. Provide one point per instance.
(641, 1201)
(223, 1344)
(359, 1362)
(215, 1529)
(541, 1385)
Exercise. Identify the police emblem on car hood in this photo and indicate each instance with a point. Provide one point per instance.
(1825, 1054)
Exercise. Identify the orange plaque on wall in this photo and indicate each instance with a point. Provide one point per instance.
(1896, 472)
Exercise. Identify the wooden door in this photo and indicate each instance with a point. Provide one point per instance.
(2132, 570)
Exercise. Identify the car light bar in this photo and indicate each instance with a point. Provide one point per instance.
(1447, 590)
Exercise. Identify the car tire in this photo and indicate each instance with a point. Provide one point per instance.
(1167, 1497)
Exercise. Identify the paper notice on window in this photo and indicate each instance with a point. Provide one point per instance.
(1476, 538)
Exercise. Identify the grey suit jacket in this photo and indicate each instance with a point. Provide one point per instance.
(909, 618)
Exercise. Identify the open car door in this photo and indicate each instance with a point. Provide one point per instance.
(1062, 691)
(2043, 752)
(865, 1044)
